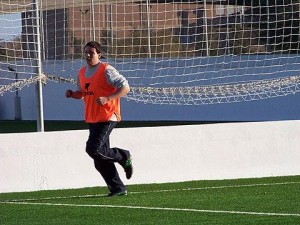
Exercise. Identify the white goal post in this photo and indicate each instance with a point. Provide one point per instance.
(185, 52)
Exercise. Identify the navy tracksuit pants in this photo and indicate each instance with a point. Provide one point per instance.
(105, 157)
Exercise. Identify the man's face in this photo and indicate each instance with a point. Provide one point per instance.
(91, 56)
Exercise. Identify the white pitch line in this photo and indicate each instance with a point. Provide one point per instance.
(158, 208)
(216, 187)
(53, 198)
(156, 191)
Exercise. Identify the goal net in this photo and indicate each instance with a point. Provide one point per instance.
(172, 52)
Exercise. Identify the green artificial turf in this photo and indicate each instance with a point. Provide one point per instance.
(273, 200)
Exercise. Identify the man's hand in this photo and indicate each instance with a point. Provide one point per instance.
(73, 94)
(118, 94)
(102, 100)
(69, 93)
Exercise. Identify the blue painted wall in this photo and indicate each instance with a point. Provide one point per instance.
(57, 107)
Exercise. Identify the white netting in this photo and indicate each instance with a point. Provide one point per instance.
(172, 52)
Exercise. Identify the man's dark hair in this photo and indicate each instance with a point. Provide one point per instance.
(94, 44)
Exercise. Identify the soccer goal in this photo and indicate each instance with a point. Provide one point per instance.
(172, 52)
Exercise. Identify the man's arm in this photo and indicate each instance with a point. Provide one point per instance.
(73, 94)
(118, 94)
(115, 79)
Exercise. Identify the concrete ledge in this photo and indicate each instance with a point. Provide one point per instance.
(57, 160)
